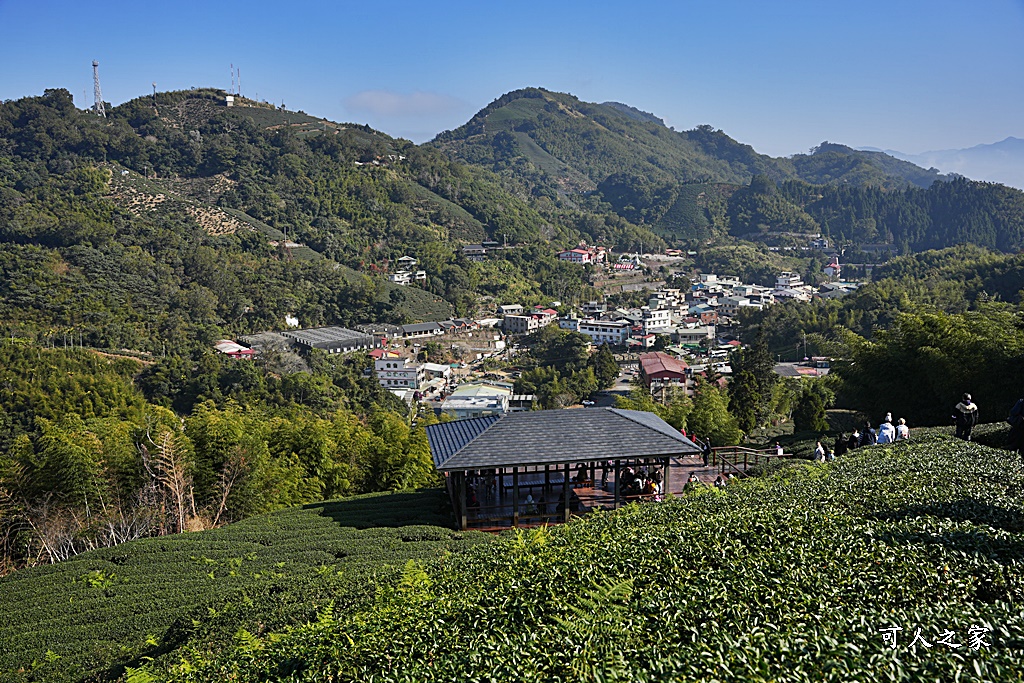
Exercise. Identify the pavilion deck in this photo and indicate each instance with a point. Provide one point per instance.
(496, 502)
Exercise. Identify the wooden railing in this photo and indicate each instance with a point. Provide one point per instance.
(737, 459)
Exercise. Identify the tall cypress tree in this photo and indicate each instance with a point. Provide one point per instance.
(754, 379)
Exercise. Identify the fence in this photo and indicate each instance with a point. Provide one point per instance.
(737, 459)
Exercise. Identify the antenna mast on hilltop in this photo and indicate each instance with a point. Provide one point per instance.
(232, 79)
(238, 83)
(97, 94)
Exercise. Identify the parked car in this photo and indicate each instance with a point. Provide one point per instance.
(587, 404)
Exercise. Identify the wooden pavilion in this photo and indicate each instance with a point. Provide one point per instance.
(570, 459)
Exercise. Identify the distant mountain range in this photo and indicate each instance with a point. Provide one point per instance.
(558, 142)
(999, 162)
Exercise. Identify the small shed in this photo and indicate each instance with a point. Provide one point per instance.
(494, 465)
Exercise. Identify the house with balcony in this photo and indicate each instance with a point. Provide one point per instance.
(399, 373)
(611, 332)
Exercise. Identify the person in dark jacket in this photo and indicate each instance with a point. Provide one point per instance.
(965, 414)
(868, 436)
(840, 446)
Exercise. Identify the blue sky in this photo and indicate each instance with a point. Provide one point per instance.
(782, 76)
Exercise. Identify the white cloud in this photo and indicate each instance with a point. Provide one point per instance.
(386, 103)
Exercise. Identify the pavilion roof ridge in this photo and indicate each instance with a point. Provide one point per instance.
(553, 437)
(641, 418)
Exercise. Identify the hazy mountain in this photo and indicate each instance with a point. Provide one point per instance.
(999, 162)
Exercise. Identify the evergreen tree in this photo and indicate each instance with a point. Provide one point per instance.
(753, 384)
(605, 368)
(809, 415)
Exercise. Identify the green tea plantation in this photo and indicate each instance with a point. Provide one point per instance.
(89, 617)
(895, 563)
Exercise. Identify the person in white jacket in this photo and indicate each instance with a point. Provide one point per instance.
(886, 432)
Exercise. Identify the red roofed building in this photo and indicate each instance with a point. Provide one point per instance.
(660, 371)
(234, 349)
(576, 256)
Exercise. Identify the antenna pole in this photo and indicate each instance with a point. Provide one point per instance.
(232, 78)
(97, 94)
(239, 83)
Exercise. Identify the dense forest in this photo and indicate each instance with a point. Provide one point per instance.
(100, 450)
(700, 184)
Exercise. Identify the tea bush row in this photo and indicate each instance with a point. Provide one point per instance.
(90, 615)
(792, 577)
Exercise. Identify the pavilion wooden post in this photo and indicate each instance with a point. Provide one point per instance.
(667, 480)
(615, 504)
(461, 479)
(565, 493)
(515, 496)
(547, 478)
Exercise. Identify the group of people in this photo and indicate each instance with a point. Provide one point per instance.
(642, 482)
(887, 432)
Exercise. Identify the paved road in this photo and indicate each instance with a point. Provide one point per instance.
(620, 388)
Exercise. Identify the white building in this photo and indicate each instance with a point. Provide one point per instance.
(398, 373)
(606, 331)
(475, 406)
(571, 323)
(576, 256)
(695, 335)
(788, 280)
(435, 370)
(656, 320)
(521, 324)
(510, 309)
(401, 277)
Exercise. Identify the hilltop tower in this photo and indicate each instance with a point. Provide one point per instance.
(97, 94)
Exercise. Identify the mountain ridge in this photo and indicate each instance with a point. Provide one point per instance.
(1000, 162)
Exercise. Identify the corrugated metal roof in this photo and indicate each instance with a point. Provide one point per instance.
(447, 438)
(553, 436)
(420, 327)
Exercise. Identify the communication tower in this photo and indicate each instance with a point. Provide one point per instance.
(97, 94)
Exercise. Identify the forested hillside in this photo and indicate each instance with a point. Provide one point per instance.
(701, 183)
(153, 229)
(96, 450)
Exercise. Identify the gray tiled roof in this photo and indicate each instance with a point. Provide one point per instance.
(448, 437)
(553, 436)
